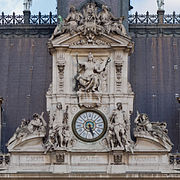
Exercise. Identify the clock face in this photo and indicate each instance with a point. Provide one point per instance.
(89, 125)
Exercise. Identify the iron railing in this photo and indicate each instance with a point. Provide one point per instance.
(143, 18)
(31, 19)
(154, 18)
(43, 19)
(172, 18)
(52, 19)
(11, 19)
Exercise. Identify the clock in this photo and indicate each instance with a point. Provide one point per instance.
(89, 125)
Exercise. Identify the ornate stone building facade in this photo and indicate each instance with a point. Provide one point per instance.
(89, 105)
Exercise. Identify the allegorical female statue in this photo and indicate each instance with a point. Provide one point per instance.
(88, 76)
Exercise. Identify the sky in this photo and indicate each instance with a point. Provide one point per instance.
(45, 6)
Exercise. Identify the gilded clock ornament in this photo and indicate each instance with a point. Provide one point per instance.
(89, 125)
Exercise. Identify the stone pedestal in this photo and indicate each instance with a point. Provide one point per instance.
(27, 15)
(160, 16)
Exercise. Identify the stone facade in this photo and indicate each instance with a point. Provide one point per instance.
(90, 102)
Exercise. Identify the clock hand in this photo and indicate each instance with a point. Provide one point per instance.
(90, 129)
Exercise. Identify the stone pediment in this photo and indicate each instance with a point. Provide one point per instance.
(28, 144)
(150, 144)
(103, 41)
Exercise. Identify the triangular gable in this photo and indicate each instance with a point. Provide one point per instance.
(80, 41)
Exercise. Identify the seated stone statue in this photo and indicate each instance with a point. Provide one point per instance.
(88, 75)
(105, 18)
(110, 23)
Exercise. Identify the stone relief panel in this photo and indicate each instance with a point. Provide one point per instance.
(118, 158)
(118, 66)
(60, 158)
(61, 66)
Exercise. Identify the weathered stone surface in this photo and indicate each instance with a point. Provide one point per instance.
(75, 143)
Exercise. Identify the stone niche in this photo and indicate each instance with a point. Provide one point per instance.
(89, 103)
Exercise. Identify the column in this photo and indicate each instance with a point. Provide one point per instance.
(160, 14)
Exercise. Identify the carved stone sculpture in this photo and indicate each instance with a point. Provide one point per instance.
(88, 74)
(60, 158)
(37, 124)
(59, 134)
(110, 23)
(117, 133)
(110, 139)
(27, 4)
(90, 23)
(160, 4)
(118, 159)
(29, 127)
(20, 132)
(65, 116)
(57, 118)
(156, 130)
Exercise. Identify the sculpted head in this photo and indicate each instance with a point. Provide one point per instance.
(59, 105)
(72, 9)
(35, 116)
